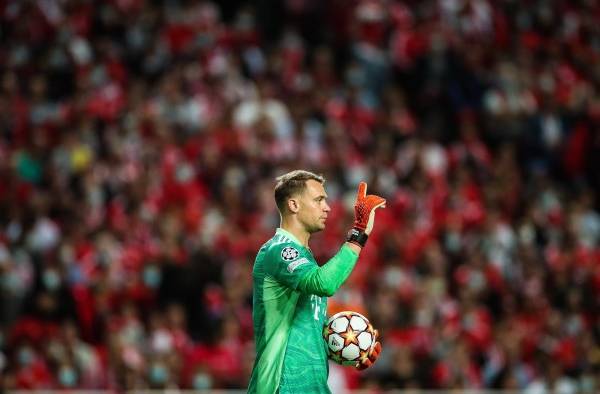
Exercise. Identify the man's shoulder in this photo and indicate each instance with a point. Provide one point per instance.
(281, 249)
(280, 245)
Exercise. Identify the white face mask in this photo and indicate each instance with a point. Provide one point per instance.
(202, 381)
(158, 374)
(25, 356)
(51, 279)
(67, 376)
(152, 276)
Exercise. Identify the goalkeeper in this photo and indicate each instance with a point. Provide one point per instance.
(290, 289)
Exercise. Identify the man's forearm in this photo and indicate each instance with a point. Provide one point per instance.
(325, 280)
(355, 248)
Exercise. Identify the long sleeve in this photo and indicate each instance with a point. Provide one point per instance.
(327, 279)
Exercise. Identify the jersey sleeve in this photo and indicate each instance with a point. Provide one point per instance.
(327, 279)
(287, 264)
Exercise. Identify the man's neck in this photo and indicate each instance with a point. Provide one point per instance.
(297, 231)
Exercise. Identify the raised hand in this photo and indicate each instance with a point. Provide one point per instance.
(364, 209)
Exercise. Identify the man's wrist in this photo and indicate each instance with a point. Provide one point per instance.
(356, 249)
(357, 237)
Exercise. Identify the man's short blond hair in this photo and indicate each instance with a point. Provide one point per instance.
(292, 184)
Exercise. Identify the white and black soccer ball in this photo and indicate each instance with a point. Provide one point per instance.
(349, 337)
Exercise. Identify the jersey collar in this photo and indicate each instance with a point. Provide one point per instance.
(287, 234)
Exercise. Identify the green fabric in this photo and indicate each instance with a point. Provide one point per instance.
(326, 280)
(291, 356)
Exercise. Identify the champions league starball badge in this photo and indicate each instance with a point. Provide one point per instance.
(289, 254)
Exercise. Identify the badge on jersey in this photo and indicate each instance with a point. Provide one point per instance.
(289, 253)
(295, 264)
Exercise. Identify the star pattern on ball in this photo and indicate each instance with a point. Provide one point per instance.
(364, 356)
(350, 337)
(336, 358)
(344, 333)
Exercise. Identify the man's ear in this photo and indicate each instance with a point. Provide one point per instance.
(293, 205)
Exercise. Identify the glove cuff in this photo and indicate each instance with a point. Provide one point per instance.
(357, 237)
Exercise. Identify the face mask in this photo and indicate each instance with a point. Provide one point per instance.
(202, 381)
(476, 281)
(453, 242)
(10, 281)
(14, 231)
(184, 173)
(67, 256)
(51, 279)
(25, 356)
(152, 276)
(4, 254)
(67, 377)
(356, 77)
(587, 384)
(158, 373)
(104, 258)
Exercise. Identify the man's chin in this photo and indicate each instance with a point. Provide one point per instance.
(317, 228)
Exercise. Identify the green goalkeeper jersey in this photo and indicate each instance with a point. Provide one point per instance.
(289, 311)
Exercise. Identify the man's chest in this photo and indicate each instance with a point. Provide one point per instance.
(312, 308)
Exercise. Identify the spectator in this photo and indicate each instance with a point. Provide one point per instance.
(139, 142)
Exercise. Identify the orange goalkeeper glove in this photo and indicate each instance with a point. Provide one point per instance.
(364, 215)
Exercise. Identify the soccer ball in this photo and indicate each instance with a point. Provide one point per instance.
(349, 337)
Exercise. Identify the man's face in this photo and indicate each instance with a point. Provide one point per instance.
(313, 207)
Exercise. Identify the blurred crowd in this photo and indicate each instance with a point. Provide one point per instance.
(140, 140)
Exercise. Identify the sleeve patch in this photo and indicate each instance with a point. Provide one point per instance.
(295, 264)
(289, 253)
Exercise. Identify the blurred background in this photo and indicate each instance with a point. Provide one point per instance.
(140, 140)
